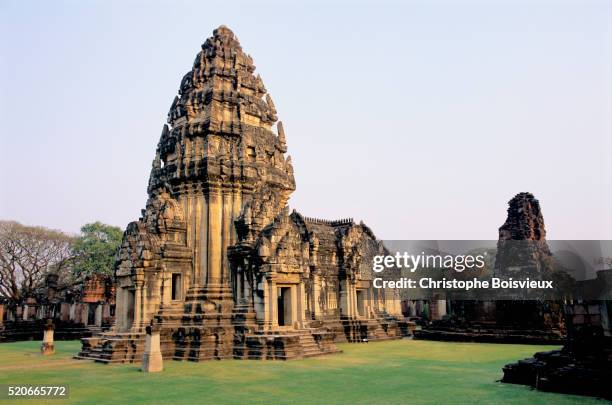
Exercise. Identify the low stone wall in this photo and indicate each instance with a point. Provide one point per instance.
(15, 331)
(491, 335)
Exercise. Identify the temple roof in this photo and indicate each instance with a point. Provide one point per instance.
(224, 73)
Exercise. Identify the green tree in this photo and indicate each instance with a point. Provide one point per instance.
(96, 249)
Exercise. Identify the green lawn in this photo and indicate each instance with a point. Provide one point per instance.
(405, 371)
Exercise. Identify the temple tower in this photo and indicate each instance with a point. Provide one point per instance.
(217, 150)
(524, 221)
(522, 249)
(216, 262)
(522, 252)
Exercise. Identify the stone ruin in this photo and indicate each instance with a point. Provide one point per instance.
(522, 251)
(77, 310)
(47, 346)
(524, 223)
(584, 365)
(217, 261)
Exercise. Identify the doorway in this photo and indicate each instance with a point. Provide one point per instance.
(360, 303)
(284, 306)
(91, 314)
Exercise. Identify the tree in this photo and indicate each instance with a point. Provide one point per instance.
(27, 254)
(96, 248)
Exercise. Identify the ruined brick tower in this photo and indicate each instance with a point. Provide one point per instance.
(216, 260)
(525, 220)
(522, 252)
(522, 249)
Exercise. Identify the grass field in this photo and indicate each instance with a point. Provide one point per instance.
(405, 371)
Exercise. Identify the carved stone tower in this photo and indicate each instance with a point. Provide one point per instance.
(217, 150)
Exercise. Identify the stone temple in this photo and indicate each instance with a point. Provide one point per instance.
(218, 261)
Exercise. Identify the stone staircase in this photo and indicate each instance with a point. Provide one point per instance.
(312, 347)
(365, 330)
(309, 347)
(286, 344)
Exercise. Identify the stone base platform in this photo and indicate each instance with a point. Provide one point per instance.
(192, 333)
(182, 345)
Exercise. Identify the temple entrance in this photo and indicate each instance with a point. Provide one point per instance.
(284, 306)
(360, 303)
(91, 314)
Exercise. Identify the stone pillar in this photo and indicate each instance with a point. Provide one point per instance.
(71, 311)
(65, 311)
(316, 307)
(48, 347)
(302, 304)
(236, 208)
(202, 278)
(84, 310)
(274, 303)
(152, 360)
(397, 306)
(226, 224)
(345, 298)
(25, 312)
(240, 295)
(266, 310)
(106, 311)
(167, 283)
(192, 235)
(99, 315)
(120, 300)
(151, 297)
(214, 237)
(437, 309)
(352, 294)
(137, 323)
(294, 305)
(367, 299)
(441, 308)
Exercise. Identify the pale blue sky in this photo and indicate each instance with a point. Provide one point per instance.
(423, 118)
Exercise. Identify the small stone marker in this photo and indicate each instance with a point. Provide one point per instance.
(152, 361)
(48, 347)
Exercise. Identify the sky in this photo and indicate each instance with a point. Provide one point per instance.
(421, 118)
